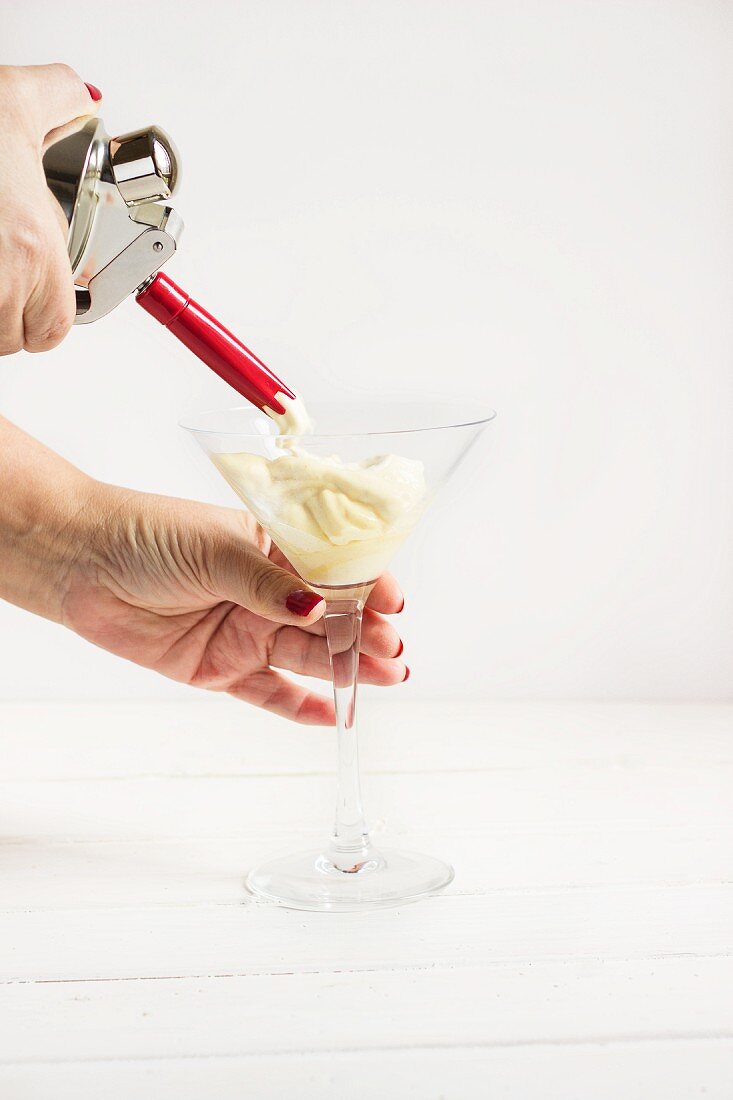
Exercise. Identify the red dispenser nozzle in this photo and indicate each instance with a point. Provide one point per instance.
(213, 344)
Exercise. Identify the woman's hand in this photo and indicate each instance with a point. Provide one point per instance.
(200, 594)
(38, 105)
(193, 591)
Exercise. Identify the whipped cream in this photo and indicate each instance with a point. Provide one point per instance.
(295, 420)
(338, 523)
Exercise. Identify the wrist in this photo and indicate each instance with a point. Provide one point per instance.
(45, 520)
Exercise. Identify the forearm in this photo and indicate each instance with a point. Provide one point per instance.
(44, 505)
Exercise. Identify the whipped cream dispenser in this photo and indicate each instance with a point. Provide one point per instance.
(114, 194)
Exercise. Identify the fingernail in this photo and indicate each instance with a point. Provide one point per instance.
(403, 606)
(94, 92)
(302, 603)
(407, 675)
(401, 650)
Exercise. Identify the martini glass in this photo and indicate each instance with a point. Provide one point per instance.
(349, 873)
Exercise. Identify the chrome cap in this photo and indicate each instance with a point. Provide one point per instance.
(145, 165)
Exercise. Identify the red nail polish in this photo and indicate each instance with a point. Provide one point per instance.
(302, 603)
(94, 93)
(406, 676)
(401, 650)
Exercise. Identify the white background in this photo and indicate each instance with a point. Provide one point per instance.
(526, 202)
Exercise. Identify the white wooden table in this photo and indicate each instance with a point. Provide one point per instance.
(584, 950)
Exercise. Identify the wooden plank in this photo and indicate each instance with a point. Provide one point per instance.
(217, 736)
(254, 937)
(621, 797)
(635, 1070)
(44, 874)
(559, 1003)
(585, 835)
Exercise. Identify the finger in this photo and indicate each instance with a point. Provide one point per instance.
(49, 96)
(306, 654)
(61, 132)
(240, 573)
(386, 596)
(51, 307)
(273, 692)
(372, 670)
(378, 637)
(11, 318)
(298, 651)
(275, 554)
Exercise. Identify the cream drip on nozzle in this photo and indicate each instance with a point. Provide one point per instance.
(295, 420)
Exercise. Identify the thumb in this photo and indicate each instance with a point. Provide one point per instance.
(49, 97)
(244, 575)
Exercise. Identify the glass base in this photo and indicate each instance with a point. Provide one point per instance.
(310, 880)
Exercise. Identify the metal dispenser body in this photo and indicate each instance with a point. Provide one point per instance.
(113, 192)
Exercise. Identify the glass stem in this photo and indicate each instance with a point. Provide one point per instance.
(350, 847)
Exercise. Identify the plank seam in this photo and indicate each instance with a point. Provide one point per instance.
(508, 961)
(500, 1044)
